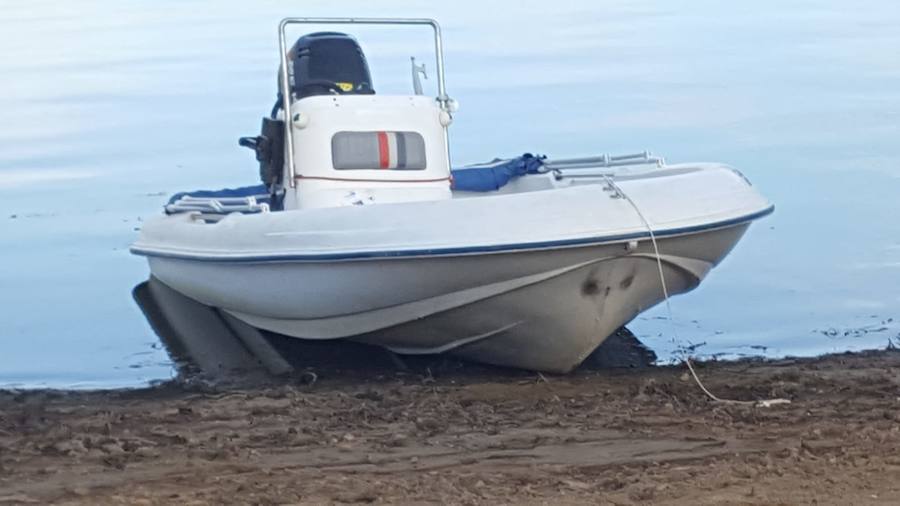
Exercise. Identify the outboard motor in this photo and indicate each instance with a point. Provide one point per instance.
(327, 62)
(319, 63)
(269, 149)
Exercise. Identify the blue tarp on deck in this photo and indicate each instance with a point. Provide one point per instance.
(485, 177)
(494, 175)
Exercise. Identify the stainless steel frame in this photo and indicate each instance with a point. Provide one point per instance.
(593, 162)
(220, 205)
(593, 167)
(442, 97)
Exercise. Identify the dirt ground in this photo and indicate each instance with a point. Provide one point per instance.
(461, 436)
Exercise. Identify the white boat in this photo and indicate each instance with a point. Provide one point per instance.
(363, 232)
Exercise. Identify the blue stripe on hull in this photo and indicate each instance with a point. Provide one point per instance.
(468, 250)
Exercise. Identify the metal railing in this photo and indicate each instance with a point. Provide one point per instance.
(442, 98)
(605, 160)
(221, 205)
(581, 167)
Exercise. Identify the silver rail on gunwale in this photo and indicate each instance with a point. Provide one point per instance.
(219, 205)
(594, 166)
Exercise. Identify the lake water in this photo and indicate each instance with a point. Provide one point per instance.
(108, 107)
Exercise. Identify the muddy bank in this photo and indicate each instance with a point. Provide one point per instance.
(468, 437)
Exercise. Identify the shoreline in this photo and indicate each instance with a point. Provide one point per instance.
(470, 435)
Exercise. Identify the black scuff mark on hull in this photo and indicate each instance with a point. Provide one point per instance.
(591, 287)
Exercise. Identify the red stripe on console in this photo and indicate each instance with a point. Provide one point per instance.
(384, 151)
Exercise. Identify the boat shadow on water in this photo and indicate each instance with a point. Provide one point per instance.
(207, 345)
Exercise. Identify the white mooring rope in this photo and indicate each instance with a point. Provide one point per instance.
(662, 279)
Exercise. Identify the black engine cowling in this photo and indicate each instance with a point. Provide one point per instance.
(328, 62)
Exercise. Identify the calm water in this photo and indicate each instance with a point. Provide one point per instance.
(107, 107)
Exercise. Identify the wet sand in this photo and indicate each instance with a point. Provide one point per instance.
(470, 435)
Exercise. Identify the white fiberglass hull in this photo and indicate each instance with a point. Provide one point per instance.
(476, 283)
(543, 310)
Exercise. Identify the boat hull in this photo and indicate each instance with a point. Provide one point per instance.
(542, 309)
(535, 275)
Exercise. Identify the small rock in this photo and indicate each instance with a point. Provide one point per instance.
(80, 491)
(573, 484)
(70, 447)
(427, 424)
(146, 452)
(643, 494)
(112, 448)
(398, 439)
(308, 378)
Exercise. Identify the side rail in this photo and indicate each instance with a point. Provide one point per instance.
(222, 205)
(442, 97)
(595, 167)
(594, 162)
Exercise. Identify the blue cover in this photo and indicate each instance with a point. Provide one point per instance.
(473, 178)
(494, 175)
(259, 191)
